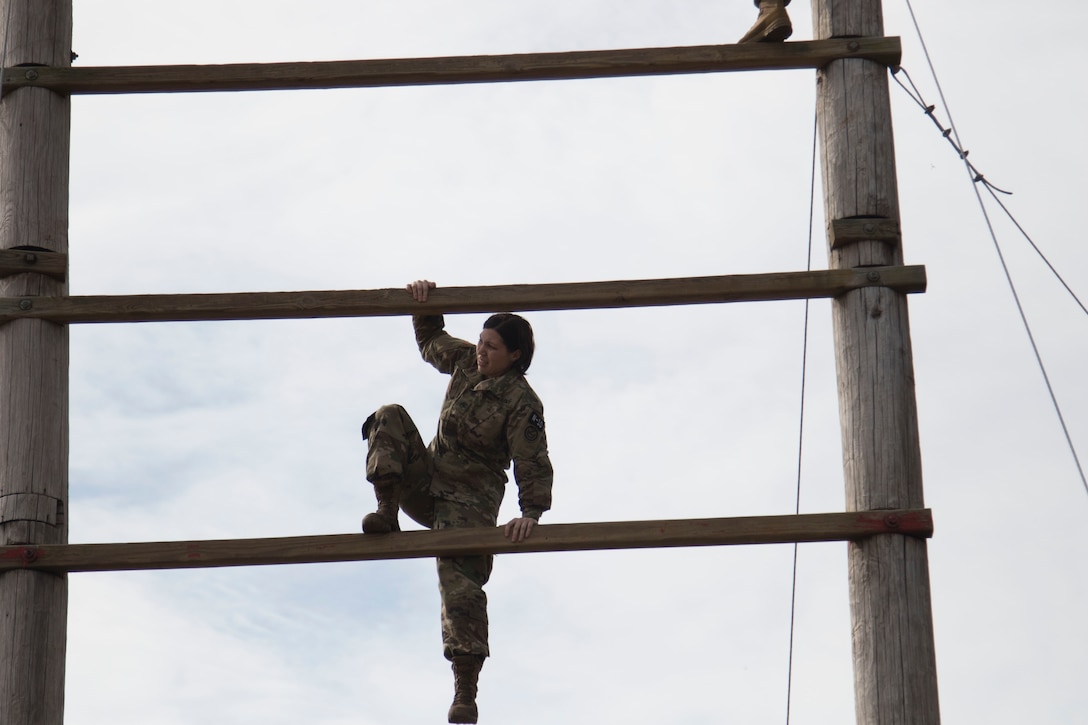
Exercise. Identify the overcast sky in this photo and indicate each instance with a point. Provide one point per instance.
(231, 430)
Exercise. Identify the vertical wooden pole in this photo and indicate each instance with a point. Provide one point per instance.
(895, 672)
(34, 151)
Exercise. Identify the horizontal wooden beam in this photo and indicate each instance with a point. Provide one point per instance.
(18, 261)
(451, 70)
(386, 302)
(461, 542)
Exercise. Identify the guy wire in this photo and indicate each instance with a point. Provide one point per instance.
(801, 421)
(975, 178)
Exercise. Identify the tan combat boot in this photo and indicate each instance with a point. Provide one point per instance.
(773, 24)
(466, 673)
(384, 520)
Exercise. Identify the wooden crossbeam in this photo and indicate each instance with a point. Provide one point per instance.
(804, 528)
(386, 302)
(451, 70)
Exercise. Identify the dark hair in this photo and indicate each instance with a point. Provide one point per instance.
(516, 334)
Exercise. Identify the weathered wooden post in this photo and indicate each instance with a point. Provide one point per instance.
(34, 150)
(895, 672)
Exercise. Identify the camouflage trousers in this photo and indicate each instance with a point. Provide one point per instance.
(396, 453)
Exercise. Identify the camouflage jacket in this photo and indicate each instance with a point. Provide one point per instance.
(484, 425)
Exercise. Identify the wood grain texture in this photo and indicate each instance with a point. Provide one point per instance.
(847, 18)
(34, 144)
(890, 606)
(460, 542)
(453, 70)
(395, 301)
(18, 261)
(843, 232)
(858, 159)
(33, 638)
(877, 411)
(895, 674)
(29, 507)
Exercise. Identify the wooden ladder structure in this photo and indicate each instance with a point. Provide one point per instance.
(886, 524)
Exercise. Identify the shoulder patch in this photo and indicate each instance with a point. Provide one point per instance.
(534, 428)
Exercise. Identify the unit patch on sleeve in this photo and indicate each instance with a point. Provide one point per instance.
(535, 427)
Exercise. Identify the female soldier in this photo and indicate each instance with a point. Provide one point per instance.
(490, 417)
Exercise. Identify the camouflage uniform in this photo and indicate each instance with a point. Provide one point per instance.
(459, 480)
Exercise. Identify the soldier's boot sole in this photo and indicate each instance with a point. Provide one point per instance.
(463, 713)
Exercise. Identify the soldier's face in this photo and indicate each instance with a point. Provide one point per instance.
(493, 358)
